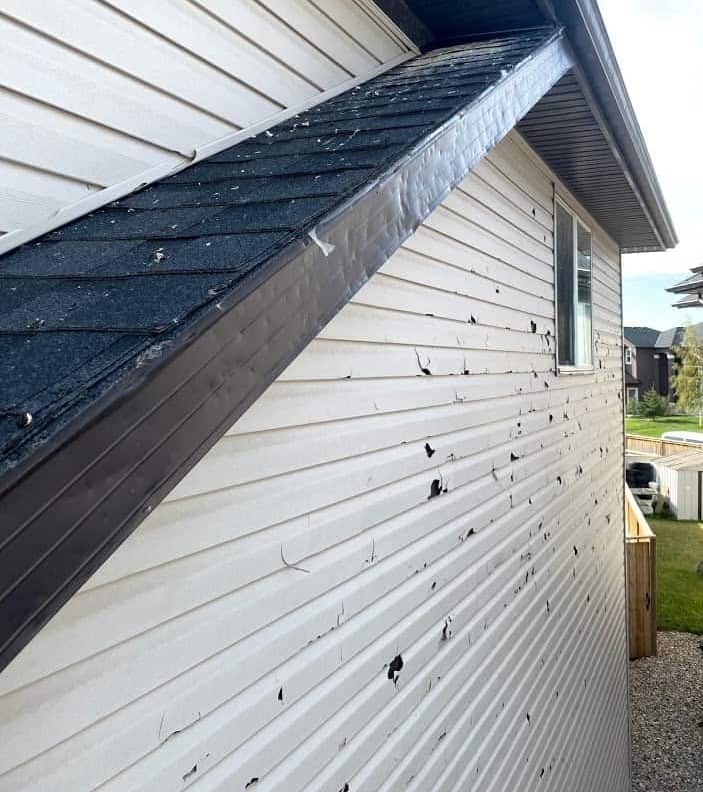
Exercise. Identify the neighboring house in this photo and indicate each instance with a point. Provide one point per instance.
(645, 367)
(312, 451)
(649, 360)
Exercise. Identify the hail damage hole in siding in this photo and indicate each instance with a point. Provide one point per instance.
(533, 326)
(435, 489)
(429, 450)
(446, 631)
(394, 668)
(280, 694)
(252, 782)
(424, 369)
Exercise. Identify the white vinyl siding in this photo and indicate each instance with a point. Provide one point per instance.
(96, 95)
(245, 630)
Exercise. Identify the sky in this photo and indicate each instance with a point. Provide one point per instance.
(659, 47)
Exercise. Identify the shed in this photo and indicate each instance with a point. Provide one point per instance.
(681, 480)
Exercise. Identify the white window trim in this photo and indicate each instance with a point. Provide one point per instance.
(628, 356)
(562, 368)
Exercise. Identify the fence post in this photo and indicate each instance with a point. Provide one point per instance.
(641, 570)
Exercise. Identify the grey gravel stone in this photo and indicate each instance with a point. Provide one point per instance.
(666, 696)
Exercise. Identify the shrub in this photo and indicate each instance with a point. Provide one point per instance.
(652, 405)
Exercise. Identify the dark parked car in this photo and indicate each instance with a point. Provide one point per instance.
(639, 474)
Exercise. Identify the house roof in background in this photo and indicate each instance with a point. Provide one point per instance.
(608, 137)
(132, 338)
(689, 301)
(692, 284)
(670, 337)
(650, 338)
(642, 336)
(674, 336)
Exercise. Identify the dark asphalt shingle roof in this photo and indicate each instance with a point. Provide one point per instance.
(671, 337)
(82, 305)
(642, 336)
(674, 336)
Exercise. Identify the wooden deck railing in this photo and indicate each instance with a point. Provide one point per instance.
(641, 564)
(656, 446)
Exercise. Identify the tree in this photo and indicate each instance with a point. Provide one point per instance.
(652, 405)
(687, 379)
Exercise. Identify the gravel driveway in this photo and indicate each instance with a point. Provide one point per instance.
(667, 708)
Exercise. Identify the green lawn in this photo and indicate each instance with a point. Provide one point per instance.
(672, 423)
(679, 587)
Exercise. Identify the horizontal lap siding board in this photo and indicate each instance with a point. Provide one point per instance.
(95, 94)
(246, 628)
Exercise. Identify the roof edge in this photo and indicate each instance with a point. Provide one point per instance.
(589, 38)
(596, 59)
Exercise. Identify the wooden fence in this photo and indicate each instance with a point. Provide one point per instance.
(641, 565)
(656, 446)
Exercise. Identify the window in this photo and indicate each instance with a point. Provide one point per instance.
(628, 356)
(573, 265)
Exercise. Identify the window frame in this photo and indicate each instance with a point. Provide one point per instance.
(628, 356)
(576, 219)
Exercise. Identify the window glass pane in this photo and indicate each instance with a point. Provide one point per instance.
(565, 285)
(583, 305)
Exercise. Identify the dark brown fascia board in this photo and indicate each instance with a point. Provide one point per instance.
(588, 36)
(73, 507)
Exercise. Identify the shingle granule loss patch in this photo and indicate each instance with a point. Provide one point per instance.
(667, 716)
